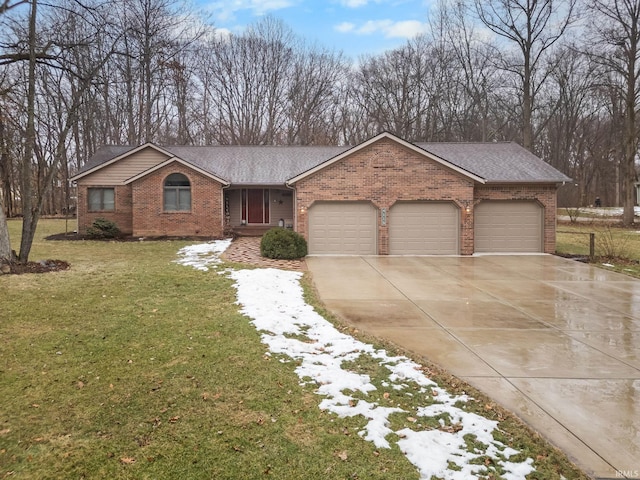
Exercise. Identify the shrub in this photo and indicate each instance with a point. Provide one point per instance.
(103, 228)
(283, 244)
(613, 242)
(573, 213)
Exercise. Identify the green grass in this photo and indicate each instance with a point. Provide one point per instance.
(131, 366)
(614, 245)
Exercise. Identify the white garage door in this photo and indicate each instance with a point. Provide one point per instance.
(424, 228)
(508, 226)
(343, 228)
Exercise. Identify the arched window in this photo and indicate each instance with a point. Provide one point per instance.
(177, 193)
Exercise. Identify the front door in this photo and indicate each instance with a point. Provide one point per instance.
(257, 206)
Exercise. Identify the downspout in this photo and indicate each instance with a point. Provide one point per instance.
(73, 184)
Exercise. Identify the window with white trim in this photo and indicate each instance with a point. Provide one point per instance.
(101, 199)
(177, 193)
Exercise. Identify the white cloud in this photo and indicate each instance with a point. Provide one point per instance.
(406, 29)
(388, 28)
(373, 26)
(353, 3)
(344, 27)
(226, 10)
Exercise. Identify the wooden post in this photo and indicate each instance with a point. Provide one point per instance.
(592, 245)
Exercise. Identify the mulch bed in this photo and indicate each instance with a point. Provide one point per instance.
(43, 266)
(123, 238)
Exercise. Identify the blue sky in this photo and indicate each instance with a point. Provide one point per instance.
(354, 26)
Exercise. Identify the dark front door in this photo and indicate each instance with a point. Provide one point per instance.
(257, 205)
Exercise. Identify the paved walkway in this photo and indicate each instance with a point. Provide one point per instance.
(247, 250)
(553, 340)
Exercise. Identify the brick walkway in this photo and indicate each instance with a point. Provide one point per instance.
(247, 250)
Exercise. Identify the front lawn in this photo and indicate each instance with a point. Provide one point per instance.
(616, 248)
(129, 365)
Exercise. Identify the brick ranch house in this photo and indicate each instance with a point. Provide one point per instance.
(384, 196)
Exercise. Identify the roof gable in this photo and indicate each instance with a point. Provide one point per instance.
(110, 154)
(389, 136)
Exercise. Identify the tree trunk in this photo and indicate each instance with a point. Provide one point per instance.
(5, 243)
(29, 210)
(630, 150)
(631, 134)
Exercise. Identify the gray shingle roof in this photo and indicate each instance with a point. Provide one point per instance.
(270, 165)
(497, 162)
(255, 165)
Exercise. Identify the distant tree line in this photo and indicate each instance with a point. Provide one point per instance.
(560, 77)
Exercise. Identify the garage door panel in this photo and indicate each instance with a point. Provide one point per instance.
(424, 228)
(508, 226)
(342, 228)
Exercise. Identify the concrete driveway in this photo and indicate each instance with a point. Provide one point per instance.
(553, 340)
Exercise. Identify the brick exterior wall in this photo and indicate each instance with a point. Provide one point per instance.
(139, 207)
(385, 173)
(382, 173)
(149, 218)
(121, 216)
(545, 195)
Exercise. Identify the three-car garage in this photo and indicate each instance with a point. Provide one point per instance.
(424, 227)
(387, 196)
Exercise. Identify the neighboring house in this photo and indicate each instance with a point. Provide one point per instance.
(384, 196)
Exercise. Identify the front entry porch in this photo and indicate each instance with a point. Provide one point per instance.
(250, 230)
(257, 209)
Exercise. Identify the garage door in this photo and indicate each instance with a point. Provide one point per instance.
(424, 228)
(508, 227)
(343, 228)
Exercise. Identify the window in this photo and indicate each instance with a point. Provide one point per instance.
(101, 199)
(177, 193)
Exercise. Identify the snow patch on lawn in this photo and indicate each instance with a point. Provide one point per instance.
(608, 211)
(273, 300)
(203, 255)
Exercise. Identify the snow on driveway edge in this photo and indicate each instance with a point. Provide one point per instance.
(273, 300)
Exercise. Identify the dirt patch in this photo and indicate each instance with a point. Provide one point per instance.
(43, 266)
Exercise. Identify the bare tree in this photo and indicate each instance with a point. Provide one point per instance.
(249, 81)
(398, 90)
(5, 195)
(533, 27)
(617, 30)
(47, 96)
(312, 100)
(6, 5)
